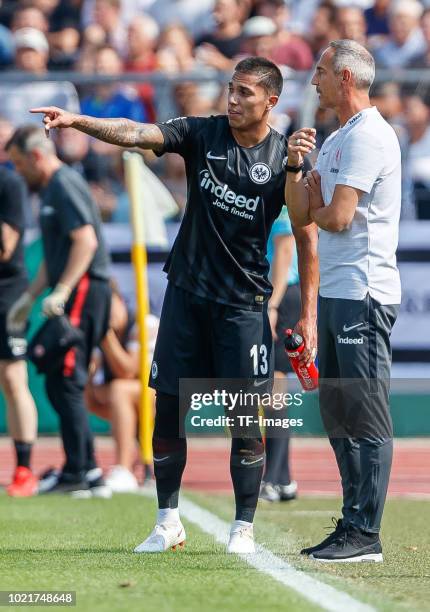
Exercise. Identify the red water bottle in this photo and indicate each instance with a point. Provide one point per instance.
(308, 375)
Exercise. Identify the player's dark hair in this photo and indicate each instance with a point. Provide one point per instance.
(269, 75)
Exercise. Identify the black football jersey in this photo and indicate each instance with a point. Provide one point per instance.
(13, 274)
(234, 195)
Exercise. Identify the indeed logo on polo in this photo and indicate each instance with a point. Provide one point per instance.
(347, 340)
(223, 193)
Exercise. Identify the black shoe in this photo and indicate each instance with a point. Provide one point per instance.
(339, 530)
(352, 546)
(61, 482)
(288, 492)
(97, 485)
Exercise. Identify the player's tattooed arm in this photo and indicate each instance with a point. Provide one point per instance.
(122, 132)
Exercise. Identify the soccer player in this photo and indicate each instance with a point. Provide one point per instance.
(214, 322)
(353, 195)
(75, 268)
(21, 410)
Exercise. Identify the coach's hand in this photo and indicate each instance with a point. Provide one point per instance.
(312, 183)
(53, 305)
(307, 328)
(19, 312)
(300, 144)
(55, 117)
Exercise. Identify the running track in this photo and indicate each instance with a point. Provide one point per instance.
(312, 462)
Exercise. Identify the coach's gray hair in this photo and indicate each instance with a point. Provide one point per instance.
(352, 55)
(29, 137)
(38, 140)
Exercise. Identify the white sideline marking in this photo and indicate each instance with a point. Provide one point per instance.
(319, 593)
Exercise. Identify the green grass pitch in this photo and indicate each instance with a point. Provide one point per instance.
(58, 543)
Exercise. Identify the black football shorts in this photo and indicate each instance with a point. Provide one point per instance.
(200, 338)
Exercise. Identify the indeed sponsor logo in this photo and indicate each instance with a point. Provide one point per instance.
(224, 194)
(346, 340)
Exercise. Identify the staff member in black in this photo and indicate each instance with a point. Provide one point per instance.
(21, 410)
(75, 267)
(214, 322)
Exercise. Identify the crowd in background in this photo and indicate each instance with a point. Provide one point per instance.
(113, 37)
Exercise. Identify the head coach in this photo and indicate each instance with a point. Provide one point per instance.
(75, 268)
(353, 196)
(214, 322)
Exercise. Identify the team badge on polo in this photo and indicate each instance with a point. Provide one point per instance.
(260, 173)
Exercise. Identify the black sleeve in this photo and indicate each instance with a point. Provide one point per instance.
(12, 200)
(179, 134)
(74, 206)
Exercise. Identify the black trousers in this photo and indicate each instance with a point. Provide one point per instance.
(354, 365)
(88, 308)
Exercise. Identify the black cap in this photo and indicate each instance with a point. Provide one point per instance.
(292, 340)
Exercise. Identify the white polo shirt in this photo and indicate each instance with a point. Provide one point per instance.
(361, 259)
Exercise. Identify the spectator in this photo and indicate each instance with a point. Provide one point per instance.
(67, 14)
(386, 97)
(64, 46)
(142, 38)
(377, 18)
(6, 131)
(46, 6)
(406, 38)
(32, 51)
(290, 50)
(191, 101)
(175, 50)
(302, 14)
(109, 100)
(423, 60)
(113, 390)
(351, 24)
(29, 17)
(194, 16)
(129, 10)
(417, 116)
(64, 35)
(259, 37)
(108, 24)
(322, 28)
(6, 47)
(218, 47)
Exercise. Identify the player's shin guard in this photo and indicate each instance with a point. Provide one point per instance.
(246, 469)
(170, 457)
(170, 450)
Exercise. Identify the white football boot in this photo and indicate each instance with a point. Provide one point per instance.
(121, 480)
(163, 537)
(241, 538)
